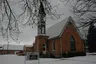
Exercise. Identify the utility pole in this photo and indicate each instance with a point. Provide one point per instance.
(8, 48)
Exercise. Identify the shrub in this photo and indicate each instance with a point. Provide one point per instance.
(72, 54)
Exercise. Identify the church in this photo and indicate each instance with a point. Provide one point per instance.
(60, 40)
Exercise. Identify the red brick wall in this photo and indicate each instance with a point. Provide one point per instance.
(40, 40)
(69, 31)
(35, 45)
(57, 51)
(64, 41)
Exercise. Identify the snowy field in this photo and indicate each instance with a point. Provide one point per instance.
(13, 59)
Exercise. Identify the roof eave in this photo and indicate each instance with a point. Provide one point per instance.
(56, 37)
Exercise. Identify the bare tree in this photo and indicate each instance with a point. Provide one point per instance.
(85, 10)
(9, 23)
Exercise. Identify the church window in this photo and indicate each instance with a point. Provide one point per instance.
(72, 43)
(43, 46)
(53, 45)
(43, 30)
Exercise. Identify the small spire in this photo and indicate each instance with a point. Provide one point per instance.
(41, 10)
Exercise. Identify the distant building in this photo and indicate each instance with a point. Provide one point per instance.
(11, 49)
(61, 39)
(28, 48)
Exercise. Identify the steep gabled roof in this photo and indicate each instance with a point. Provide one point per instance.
(57, 29)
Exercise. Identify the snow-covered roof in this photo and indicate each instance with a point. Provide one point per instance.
(28, 45)
(13, 47)
(57, 29)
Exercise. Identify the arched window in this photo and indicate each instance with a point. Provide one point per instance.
(43, 30)
(72, 44)
(53, 45)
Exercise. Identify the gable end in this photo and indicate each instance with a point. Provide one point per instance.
(71, 21)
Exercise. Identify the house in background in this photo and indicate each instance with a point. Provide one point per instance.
(15, 49)
(28, 48)
(61, 39)
(11, 49)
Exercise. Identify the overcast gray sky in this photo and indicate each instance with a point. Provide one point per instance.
(29, 33)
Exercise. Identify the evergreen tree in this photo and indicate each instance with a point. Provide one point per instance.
(92, 38)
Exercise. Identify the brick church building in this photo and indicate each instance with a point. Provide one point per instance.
(58, 40)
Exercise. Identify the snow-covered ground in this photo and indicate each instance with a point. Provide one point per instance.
(13, 59)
